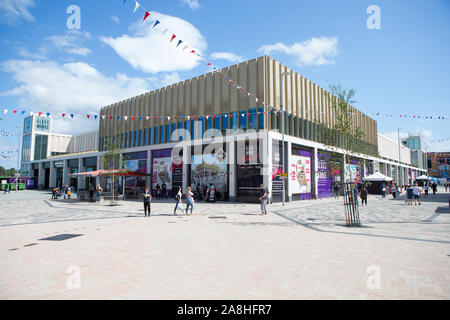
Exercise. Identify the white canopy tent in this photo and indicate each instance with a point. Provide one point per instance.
(377, 176)
(423, 177)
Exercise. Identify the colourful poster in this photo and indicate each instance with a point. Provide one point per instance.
(162, 168)
(300, 174)
(323, 179)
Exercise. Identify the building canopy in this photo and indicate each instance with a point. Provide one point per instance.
(377, 176)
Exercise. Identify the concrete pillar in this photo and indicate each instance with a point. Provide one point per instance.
(266, 159)
(66, 178)
(288, 169)
(148, 180)
(315, 174)
(99, 164)
(41, 174)
(231, 151)
(52, 181)
(81, 179)
(186, 161)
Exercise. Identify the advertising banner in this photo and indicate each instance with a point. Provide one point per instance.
(208, 169)
(162, 168)
(324, 179)
(300, 172)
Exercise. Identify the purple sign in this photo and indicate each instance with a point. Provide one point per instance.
(323, 180)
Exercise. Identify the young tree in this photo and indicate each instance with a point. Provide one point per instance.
(112, 161)
(344, 133)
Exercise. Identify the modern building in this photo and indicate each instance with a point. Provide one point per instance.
(439, 165)
(207, 130)
(418, 155)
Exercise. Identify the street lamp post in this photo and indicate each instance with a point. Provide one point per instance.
(399, 158)
(18, 153)
(283, 102)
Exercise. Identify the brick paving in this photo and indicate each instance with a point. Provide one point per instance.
(300, 251)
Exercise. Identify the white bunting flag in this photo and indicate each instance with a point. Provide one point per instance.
(103, 117)
(168, 118)
(188, 117)
(125, 117)
(146, 118)
(136, 7)
(5, 111)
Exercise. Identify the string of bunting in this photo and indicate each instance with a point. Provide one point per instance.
(188, 117)
(189, 49)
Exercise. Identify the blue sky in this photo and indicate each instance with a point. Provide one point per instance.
(401, 68)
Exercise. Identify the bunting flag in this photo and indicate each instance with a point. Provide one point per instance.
(173, 37)
(146, 15)
(179, 42)
(137, 6)
(156, 23)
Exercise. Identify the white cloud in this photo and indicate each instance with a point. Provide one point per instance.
(71, 42)
(233, 58)
(80, 51)
(72, 87)
(315, 51)
(115, 19)
(193, 4)
(148, 50)
(12, 11)
(24, 53)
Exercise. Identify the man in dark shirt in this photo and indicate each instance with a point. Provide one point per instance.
(263, 197)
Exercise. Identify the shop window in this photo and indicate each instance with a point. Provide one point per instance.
(243, 120)
(217, 122)
(161, 134)
(145, 137)
(136, 138)
(225, 123)
(187, 127)
(168, 132)
(252, 119)
(234, 120)
(261, 117)
(156, 134)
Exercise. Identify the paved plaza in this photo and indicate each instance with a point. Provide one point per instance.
(224, 251)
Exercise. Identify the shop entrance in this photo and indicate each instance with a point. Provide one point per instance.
(249, 178)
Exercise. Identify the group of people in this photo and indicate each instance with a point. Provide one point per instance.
(161, 191)
(64, 191)
(204, 192)
(97, 192)
(413, 193)
(147, 198)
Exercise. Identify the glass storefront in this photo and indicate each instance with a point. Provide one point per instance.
(210, 168)
(134, 186)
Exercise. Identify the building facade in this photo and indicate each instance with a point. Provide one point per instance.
(204, 131)
(439, 165)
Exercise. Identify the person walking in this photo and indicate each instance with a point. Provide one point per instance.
(394, 191)
(383, 191)
(179, 200)
(416, 193)
(434, 188)
(263, 197)
(425, 188)
(337, 191)
(164, 190)
(364, 193)
(99, 193)
(158, 191)
(189, 200)
(446, 186)
(6, 188)
(409, 195)
(147, 201)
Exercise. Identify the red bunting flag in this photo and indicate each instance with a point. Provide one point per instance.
(110, 117)
(146, 15)
(132, 117)
(40, 114)
(14, 111)
(193, 51)
(88, 116)
(173, 37)
(63, 115)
